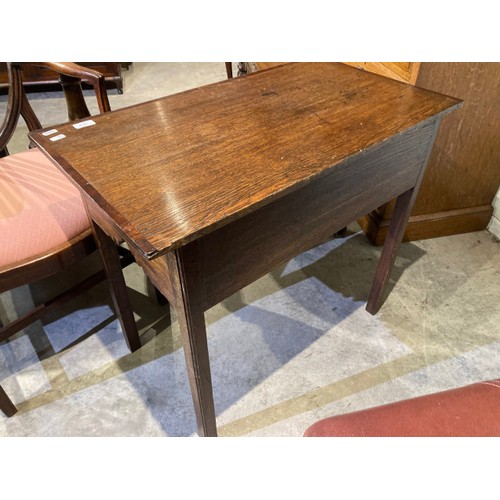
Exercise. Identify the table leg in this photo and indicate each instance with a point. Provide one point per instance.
(6, 405)
(402, 210)
(191, 319)
(118, 289)
(399, 221)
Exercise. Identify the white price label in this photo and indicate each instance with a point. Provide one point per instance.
(86, 123)
(57, 137)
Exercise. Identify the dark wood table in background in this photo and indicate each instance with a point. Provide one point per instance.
(214, 187)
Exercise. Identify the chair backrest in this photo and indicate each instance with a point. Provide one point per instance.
(70, 76)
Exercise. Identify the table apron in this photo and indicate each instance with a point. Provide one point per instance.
(156, 270)
(246, 249)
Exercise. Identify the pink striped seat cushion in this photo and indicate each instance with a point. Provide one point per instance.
(39, 208)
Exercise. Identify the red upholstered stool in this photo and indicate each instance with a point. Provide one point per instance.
(473, 410)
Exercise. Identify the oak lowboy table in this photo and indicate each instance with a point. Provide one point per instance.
(213, 187)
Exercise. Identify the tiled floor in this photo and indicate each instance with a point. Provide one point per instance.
(293, 347)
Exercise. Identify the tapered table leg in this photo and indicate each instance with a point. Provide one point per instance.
(194, 339)
(111, 261)
(6, 405)
(399, 221)
(402, 210)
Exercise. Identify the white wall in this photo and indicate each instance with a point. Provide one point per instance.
(494, 225)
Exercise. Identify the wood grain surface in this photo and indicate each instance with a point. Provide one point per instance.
(170, 170)
(240, 252)
(215, 186)
(402, 71)
(464, 168)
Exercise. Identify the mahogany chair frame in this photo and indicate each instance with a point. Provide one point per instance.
(58, 259)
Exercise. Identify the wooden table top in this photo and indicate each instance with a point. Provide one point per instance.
(169, 170)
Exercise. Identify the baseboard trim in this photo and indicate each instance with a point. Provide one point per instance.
(421, 227)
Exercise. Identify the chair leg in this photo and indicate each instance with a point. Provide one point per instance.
(123, 309)
(15, 326)
(229, 69)
(6, 405)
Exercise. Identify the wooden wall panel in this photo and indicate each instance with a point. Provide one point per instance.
(464, 169)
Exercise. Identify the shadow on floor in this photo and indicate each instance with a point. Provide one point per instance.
(250, 340)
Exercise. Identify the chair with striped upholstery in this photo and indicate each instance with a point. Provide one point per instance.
(43, 223)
